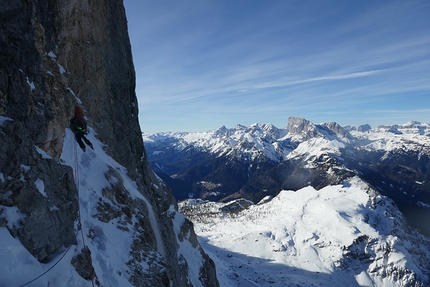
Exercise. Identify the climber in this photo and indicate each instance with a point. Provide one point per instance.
(79, 127)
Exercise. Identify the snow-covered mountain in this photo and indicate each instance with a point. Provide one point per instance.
(340, 235)
(120, 227)
(268, 142)
(259, 160)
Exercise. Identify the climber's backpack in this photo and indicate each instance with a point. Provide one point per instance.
(77, 124)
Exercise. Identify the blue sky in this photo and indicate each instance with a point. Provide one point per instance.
(202, 64)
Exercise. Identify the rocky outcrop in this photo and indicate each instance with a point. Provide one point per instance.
(364, 128)
(83, 264)
(378, 256)
(337, 130)
(38, 191)
(56, 54)
(301, 127)
(307, 130)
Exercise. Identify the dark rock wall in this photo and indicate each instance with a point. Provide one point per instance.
(95, 50)
(28, 89)
(42, 190)
(90, 41)
(56, 54)
(38, 107)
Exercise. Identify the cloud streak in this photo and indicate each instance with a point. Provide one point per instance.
(197, 60)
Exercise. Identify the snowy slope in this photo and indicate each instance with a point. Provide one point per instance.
(109, 246)
(109, 241)
(343, 235)
(412, 136)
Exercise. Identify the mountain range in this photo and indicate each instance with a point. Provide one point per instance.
(261, 160)
(298, 206)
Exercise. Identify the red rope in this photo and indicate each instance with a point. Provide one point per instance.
(86, 249)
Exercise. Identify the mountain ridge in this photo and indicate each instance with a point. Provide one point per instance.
(251, 162)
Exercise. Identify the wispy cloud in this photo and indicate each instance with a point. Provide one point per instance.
(201, 59)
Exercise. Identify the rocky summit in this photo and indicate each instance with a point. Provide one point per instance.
(69, 216)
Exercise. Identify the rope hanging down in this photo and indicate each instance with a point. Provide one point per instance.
(50, 268)
(86, 250)
(87, 256)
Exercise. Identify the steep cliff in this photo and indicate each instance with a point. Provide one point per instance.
(56, 54)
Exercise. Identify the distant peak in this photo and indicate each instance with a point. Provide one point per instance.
(240, 127)
(298, 125)
(364, 128)
(337, 129)
(412, 124)
(223, 128)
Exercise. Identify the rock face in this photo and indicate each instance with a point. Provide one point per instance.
(96, 51)
(56, 54)
(39, 189)
(302, 127)
(364, 128)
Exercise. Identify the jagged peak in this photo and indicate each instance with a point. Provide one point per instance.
(222, 131)
(307, 130)
(298, 125)
(411, 127)
(240, 127)
(262, 128)
(337, 130)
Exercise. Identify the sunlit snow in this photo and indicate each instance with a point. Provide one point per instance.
(299, 239)
(110, 246)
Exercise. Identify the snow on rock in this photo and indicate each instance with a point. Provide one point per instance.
(119, 227)
(3, 120)
(43, 153)
(343, 235)
(187, 248)
(41, 187)
(301, 154)
(410, 136)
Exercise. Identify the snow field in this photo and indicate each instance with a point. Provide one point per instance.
(299, 239)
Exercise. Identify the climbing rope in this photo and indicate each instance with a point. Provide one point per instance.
(90, 271)
(86, 250)
(50, 268)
